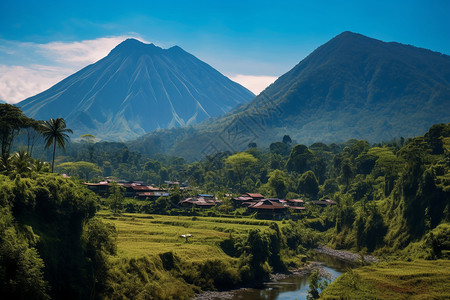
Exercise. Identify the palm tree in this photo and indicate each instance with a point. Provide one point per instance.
(55, 132)
(22, 161)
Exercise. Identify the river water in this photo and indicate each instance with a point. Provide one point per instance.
(294, 287)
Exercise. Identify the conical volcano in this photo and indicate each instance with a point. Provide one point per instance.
(138, 88)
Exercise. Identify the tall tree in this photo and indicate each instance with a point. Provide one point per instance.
(241, 163)
(116, 197)
(33, 132)
(308, 185)
(278, 182)
(22, 161)
(89, 141)
(55, 132)
(300, 159)
(11, 121)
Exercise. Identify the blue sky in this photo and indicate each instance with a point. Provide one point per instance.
(252, 42)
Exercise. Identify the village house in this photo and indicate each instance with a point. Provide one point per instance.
(132, 189)
(201, 201)
(101, 188)
(296, 204)
(246, 199)
(269, 208)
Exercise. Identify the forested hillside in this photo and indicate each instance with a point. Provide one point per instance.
(352, 87)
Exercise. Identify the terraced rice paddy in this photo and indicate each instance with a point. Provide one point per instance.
(143, 234)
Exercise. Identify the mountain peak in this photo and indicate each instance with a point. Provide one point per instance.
(132, 45)
(347, 34)
(348, 37)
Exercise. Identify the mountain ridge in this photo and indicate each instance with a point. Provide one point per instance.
(353, 86)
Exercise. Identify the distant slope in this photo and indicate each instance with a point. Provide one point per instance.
(351, 87)
(138, 88)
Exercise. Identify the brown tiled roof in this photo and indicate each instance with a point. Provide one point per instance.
(144, 188)
(200, 201)
(255, 195)
(145, 194)
(267, 204)
(191, 200)
(243, 198)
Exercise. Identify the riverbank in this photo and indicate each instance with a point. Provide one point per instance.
(339, 255)
(274, 278)
(346, 255)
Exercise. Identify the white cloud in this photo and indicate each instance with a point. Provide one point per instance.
(57, 61)
(81, 53)
(18, 83)
(254, 83)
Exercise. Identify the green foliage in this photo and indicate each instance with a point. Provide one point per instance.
(21, 162)
(12, 120)
(89, 141)
(299, 237)
(116, 197)
(346, 172)
(254, 259)
(241, 164)
(278, 183)
(99, 241)
(300, 159)
(345, 214)
(54, 228)
(279, 148)
(434, 245)
(81, 169)
(308, 185)
(316, 284)
(21, 268)
(55, 132)
(370, 228)
(330, 187)
(145, 278)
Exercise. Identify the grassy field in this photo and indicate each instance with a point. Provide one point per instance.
(394, 280)
(143, 234)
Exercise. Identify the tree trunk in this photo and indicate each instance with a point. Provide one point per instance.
(54, 150)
